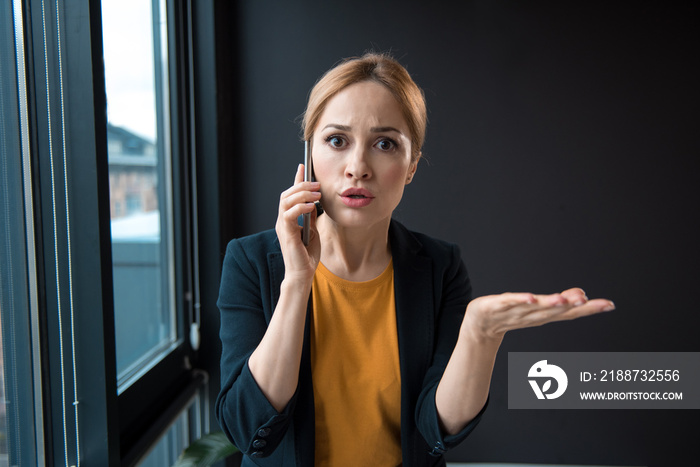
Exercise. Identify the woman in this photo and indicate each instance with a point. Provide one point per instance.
(364, 347)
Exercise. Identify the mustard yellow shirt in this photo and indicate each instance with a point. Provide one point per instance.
(355, 368)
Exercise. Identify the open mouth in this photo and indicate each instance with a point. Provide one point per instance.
(357, 193)
(357, 197)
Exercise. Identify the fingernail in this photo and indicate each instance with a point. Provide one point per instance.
(610, 307)
(559, 300)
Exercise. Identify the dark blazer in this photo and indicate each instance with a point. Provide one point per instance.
(432, 291)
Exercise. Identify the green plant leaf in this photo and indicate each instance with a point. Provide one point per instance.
(207, 450)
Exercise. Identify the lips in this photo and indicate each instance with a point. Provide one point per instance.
(356, 197)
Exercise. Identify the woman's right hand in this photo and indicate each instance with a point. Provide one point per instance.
(275, 362)
(300, 261)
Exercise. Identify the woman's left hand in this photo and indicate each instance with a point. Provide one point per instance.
(493, 315)
(464, 386)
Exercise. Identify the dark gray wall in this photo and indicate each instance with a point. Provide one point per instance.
(560, 144)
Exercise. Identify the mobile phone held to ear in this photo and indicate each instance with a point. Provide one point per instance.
(306, 218)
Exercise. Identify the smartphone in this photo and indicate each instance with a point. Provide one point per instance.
(306, 218)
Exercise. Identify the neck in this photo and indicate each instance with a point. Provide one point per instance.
(356, 254)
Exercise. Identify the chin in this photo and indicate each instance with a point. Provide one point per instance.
(355, 219)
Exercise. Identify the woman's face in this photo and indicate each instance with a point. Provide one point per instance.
(362, 155)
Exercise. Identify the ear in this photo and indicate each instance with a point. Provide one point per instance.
(412, 169)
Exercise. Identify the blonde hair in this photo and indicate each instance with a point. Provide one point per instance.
(375, 67)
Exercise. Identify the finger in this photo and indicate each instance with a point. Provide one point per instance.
(300, 186)
(291, 215)
(565, 313)
(540, 301)
(301, 197)
(597, 305)
(575, 296)
(314, 214)
(552, 300)
(525, 305)
(556, 304)
(591, 307)
(313, 230)
(542, 309)
(303, 192)
(299, 176)
(511, 299)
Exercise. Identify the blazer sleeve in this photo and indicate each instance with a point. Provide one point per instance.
(242, 410)
(453, 294)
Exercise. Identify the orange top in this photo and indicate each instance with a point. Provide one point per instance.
(355, 368)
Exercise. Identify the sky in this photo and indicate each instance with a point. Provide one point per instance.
(129, 70)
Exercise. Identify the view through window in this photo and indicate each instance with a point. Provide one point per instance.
(136, 76)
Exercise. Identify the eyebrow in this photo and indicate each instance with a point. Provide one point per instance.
(376, 129)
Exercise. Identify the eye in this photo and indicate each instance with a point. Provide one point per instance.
(386, 144)
(335, 141)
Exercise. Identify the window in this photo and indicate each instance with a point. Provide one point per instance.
(97, 276)
(140, 160)
(181, 433)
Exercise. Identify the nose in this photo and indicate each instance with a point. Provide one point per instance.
(357, 165)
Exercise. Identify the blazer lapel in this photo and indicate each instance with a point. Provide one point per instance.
(413, 286)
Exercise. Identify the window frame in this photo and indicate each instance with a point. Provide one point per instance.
(68, 132)
(20, 366)
(149, 402)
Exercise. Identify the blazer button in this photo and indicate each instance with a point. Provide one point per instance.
(256, 454)
(259, 443)
(263, 432)
(438, 450)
